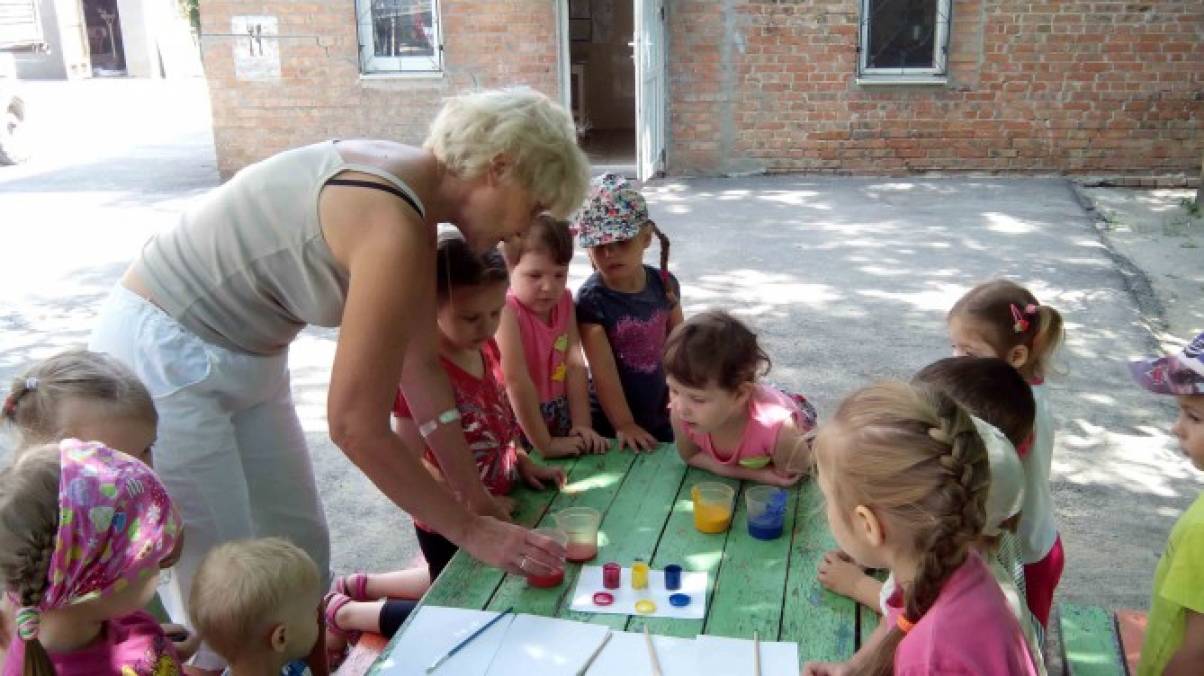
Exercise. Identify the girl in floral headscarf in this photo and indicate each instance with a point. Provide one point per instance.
(84, 531)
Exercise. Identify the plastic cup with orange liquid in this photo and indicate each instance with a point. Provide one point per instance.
(712, 506)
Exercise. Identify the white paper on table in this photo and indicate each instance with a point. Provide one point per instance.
(434, 631)
(545, 646)
(734, 657)
(693, 583)
(627, 654)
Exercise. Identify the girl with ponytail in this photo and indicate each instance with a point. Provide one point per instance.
(905, 477)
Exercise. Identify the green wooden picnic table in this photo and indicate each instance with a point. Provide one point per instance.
(753, 585)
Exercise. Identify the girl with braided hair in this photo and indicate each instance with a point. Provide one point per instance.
(1002, 319)
(84, 531)
(905, 476)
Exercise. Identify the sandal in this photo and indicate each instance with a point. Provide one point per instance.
(354, 586)
(332, 603)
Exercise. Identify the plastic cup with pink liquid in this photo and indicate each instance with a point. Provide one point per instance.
(580, 524)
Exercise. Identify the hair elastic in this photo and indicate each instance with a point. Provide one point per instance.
(31, 383)
(905, 625)
(447, 417)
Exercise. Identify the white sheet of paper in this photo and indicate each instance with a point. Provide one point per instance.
(627, 654)
(693, 583)
(734, 657)
(545, 646)
(434, 631)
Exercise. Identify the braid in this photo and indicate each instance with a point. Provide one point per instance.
(958, 502)
(664, 242)
(9, 409)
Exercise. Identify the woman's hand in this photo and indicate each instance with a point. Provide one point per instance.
(536, 474)
(513, 548)
(591, 441)
(504, 505)
(186, 642)
(635, 437)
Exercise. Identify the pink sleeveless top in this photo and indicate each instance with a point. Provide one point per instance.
(768, 410)
(545, 345)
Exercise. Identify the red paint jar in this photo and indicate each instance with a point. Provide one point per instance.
(612, 575)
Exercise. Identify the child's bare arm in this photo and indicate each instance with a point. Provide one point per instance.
(610, 389)
(524, 398)
(792, 453)
(577, 389)
(1189, 658)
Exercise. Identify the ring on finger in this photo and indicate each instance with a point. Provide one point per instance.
(522, 564)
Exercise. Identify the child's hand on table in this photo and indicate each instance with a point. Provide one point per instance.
(536, 474)
(826, 669)
(562, 447)
(780, 477)
(591, 441)
(635, 437)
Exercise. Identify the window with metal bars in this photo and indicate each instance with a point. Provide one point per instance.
(903, 39)
(399, 36)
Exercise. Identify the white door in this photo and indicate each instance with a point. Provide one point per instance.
(650, 87)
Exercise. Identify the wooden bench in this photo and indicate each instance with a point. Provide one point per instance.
(1097, 643)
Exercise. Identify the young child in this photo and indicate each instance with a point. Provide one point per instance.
(1002, 319)
(82, 395)
(992, 391)
(724, 420)
(1174, 635)
(625, 312)
(256, 603)
(376, 602)
(84, 531)
(471, 291)
(905, 477)
(541, 349)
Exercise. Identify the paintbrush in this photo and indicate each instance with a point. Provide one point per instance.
(593, 656)
(756, 654)
(468, 640)
(656, 664)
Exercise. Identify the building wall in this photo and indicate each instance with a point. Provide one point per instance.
(1076, 86)
(319, 92)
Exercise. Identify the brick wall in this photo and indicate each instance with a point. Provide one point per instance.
(320, 94)
(1075, 86)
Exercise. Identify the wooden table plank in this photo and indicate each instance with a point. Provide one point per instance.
(468, 583)
(752, 580)
(682, 544)
(632, 526)
(823, 623)
(594, 481)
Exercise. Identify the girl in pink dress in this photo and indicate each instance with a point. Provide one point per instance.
(723, 419)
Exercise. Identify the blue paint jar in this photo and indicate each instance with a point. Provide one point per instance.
(672, 577)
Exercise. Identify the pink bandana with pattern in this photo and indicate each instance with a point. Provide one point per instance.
(116, 524)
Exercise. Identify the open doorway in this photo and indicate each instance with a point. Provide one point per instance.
(602, 82)
(104, 38)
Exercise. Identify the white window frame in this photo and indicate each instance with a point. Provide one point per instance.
(371, 64)
(937, 74)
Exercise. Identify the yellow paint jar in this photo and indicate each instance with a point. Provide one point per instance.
(639, 575)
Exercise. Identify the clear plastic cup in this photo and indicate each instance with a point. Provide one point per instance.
(766, 511)
(581, 526)
(712, 506)
(555, 578)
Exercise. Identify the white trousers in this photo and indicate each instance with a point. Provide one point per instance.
(230, 450)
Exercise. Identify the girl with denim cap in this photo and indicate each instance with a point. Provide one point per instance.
(625, 312)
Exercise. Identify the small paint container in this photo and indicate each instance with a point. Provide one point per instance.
(603, 599)
(639, 575)
(679, 600)
(672, 577)
(612, 576)
(645, 607)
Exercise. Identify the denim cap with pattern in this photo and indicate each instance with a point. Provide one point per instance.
(614, 211)
(1180, 373)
